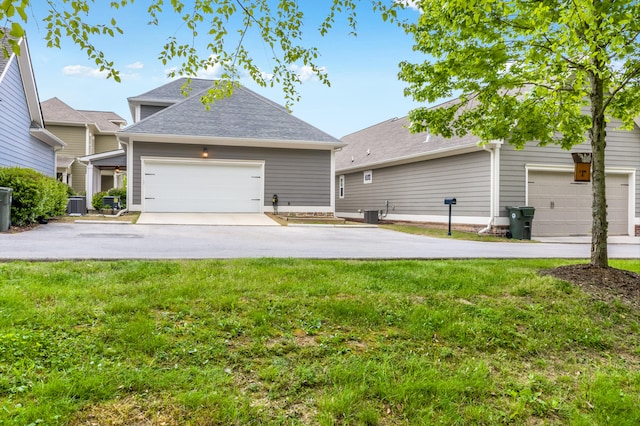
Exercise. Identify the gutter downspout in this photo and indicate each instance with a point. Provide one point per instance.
(494, 198)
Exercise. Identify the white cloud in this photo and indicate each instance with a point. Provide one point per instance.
(411, 4)
(212, 71)
(82, 71)
(306, 73)
(136, 65)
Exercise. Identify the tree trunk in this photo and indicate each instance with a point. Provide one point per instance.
(599, 229)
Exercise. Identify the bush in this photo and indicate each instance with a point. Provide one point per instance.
(96, 201)
(35, 196)
(121, 193)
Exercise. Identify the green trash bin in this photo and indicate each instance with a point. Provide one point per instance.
(520, 222)
(5, 208)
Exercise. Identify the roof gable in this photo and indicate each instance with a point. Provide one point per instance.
(243, 115)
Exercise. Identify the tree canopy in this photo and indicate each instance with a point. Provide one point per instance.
(527, 71)
(216, 34)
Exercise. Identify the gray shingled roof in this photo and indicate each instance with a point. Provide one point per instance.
(172, 92)
(244, 115)
(391, 140)
(56, 111)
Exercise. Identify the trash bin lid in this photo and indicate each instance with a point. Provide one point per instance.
(527, 211)
(5, 189)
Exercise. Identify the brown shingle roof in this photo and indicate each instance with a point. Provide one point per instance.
(56, 111)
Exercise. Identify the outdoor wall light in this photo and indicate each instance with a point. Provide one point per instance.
(117, 169)
(205, 153)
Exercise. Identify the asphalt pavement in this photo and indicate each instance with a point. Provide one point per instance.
(58, 241)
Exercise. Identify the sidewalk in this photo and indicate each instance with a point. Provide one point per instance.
(586, 239)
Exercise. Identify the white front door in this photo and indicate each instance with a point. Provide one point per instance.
(202, 186)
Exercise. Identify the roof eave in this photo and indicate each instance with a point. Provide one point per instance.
(47, 137)
(100, 156)
(65, 123)
(29, 82)
(212, 140)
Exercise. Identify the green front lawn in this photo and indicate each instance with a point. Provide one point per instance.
(312, 342)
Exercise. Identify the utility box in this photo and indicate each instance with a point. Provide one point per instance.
(111, 202)
(77, 205)
(371, 216)
(5, 208)
(520, 222)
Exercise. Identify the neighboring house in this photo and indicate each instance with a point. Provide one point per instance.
(408, 176)
(87, 134)
(24, 141)
(233, 157)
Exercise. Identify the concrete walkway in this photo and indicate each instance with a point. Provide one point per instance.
(586, 239)
(215, 219)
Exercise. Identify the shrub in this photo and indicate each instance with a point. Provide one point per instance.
(35, 196)
(121, 193)
(96, 201)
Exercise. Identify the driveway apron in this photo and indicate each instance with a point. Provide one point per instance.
(217, 219)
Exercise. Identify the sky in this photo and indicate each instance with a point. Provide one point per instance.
(362, 70)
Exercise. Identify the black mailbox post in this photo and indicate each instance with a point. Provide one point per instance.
(449, 202)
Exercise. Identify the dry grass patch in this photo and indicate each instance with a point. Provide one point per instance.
(132, 410)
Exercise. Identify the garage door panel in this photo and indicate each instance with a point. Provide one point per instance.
(203, 187)
(564, 207)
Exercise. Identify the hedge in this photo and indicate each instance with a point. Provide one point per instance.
(35, 196)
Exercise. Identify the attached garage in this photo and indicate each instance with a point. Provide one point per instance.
(202, 186)
(563, 207)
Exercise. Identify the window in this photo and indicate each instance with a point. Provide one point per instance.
(341, 186)
(368, 176)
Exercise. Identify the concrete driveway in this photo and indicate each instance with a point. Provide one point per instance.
(126, 241)
(217, 219)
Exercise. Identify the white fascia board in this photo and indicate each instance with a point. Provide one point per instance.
(47, 137)
(29, 82)
(101, 155)
(413, 158)
(208, 140)
(66, 123)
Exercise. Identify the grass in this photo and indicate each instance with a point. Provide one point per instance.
(443, 233)
(312, 342)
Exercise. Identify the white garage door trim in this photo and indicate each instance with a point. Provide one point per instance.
(631, 181)
(227, 197)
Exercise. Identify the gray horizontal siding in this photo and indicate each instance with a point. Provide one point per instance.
(420, 188)
(623, 150)
(148, 110)
(299, 177)
(17, 146)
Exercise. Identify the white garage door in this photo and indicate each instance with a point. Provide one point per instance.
(563, 207)
(202, 187)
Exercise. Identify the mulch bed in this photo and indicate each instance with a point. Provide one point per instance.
(603, 283)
